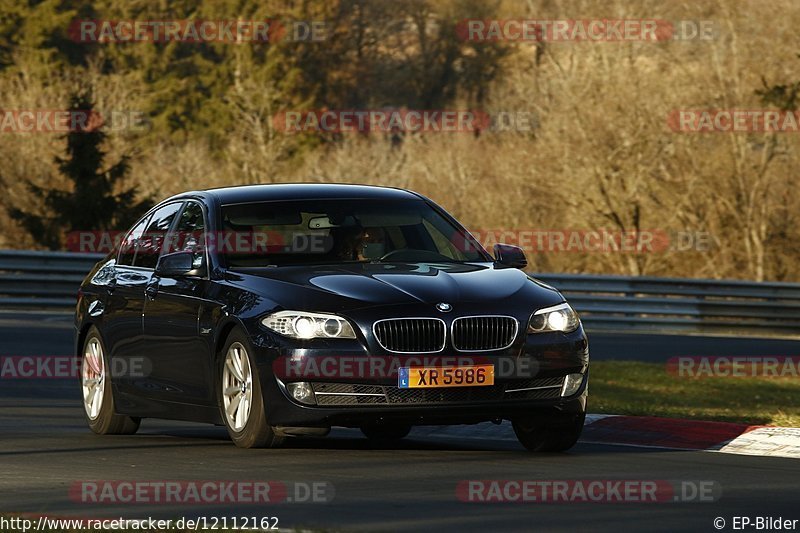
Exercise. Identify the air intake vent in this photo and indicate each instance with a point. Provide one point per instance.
(484, 333)
(411, 335)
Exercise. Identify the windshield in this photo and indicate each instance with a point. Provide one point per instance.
(342, 231)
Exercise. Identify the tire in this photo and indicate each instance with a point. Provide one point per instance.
(385, 433)
(553, 437)
(98, 400)
(242, 410)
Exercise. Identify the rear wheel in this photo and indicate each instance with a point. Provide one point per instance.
(98, 402)
(242, 404)
(550, 437)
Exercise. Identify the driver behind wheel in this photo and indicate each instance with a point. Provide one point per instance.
(372, 244)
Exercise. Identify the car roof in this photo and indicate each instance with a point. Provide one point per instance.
(299, 191)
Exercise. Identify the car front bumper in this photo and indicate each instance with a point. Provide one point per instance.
(528, 386)
(554, 412)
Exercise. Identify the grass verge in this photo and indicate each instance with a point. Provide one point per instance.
(647, 389)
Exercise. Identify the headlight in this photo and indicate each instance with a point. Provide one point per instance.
(302, 325)
(560, 317)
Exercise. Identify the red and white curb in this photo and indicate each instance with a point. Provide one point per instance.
(653, 432)
(766, 440)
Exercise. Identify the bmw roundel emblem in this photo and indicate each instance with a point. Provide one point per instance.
(444, 307)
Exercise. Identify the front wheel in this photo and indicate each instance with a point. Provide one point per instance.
(242, 403)
(98, 402)
(552, 437)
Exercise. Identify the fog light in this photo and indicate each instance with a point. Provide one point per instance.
(302, 392)
(571, 384)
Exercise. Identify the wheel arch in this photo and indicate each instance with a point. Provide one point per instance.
(81, 338)
(224, 331)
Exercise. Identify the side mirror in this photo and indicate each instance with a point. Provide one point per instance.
(510, 256)
(176, 264)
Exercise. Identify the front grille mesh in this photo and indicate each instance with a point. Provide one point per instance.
(480, 333)
(411, 335)
(346, 394)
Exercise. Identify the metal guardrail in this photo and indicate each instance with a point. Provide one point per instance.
(36, 280)
(740, 308)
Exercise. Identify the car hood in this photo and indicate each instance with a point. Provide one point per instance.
(365, 284)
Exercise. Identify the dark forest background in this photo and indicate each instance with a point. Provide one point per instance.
(600, 154)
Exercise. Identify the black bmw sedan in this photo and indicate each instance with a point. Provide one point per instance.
(284, 310)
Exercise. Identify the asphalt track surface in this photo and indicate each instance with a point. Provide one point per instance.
(45, 448)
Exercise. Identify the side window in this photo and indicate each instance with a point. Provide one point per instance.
(189, 234)
(149, 245)
(127, 250)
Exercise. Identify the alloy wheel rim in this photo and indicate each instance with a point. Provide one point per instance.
(93, 378)
(237, 387)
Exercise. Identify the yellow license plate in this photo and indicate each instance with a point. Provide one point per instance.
(445, 376)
